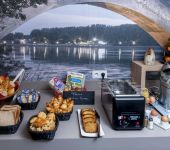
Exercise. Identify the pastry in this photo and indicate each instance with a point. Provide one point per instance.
(43, 122)
(60, 105)
(89, 120)
(7, 87)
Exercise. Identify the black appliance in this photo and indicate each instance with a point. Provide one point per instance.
(124, 107)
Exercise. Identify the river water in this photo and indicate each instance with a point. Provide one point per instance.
(43, 62)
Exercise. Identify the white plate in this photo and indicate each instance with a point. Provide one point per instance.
(157, 121)
(83, 133)
(159, 124)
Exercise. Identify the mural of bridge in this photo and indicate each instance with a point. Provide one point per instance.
(152, 16)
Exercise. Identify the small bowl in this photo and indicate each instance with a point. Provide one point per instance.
(43, 135)
(28, 106)
(9, 97)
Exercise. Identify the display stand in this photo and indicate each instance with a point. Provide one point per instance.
(139, 69)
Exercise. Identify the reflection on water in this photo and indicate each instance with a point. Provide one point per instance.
(120, 52)
(133, 54)
(44, 62)
(65, 54)
(22, 50)
(45, 52)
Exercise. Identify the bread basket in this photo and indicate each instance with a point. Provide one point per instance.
(13, 128)
(64, 116)
(42, 135)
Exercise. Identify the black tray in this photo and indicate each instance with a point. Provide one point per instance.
(28, 106)
(13, 128)
(64, 116)
(42, 135)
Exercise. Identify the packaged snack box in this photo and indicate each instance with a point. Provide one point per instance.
(75, 79)
(57, 84)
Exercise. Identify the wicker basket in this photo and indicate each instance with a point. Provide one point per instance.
(64, 116)
(13, 128)
(28, 106)
(42, 135)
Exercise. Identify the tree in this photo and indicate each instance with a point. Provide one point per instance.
(9, 37)
(110, 34)
(36, 35)
(19, 35)
(14, 8)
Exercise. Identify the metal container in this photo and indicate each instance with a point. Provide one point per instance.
(164, 99)
(121, 88)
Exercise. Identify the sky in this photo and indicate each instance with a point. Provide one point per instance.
(73, 15)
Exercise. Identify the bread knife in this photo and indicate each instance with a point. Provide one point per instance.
(98, 124)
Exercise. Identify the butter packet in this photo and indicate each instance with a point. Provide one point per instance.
(75, 80)
(57, 84)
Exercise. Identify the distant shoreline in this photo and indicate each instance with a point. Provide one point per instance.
(77, 45)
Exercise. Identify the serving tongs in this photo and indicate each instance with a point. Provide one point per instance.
(98, 124)
(18, 77)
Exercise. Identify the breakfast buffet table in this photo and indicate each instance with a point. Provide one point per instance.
(68, 133)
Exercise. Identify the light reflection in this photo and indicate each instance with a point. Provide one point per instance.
(101, 53)
(120, 53)
(68, 51)
(45, 52)
(133, 51)
(133, 54)
(74, 51)
(23, 49)
(57, 51)
(90, 53)
(5, 48)
(94, 55)
(34, 51)
(79, 53)
(29, 51)
(14, 54)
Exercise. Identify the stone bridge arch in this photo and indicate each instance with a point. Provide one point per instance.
(152, 16)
